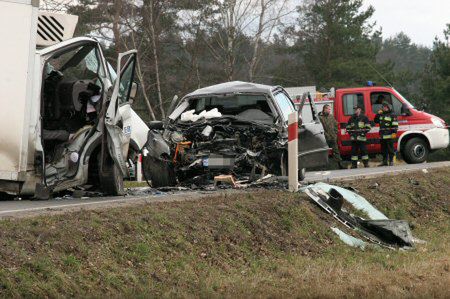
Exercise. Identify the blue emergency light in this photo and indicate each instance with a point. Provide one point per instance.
(371, 83)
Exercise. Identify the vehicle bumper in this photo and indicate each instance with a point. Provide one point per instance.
(438, 138)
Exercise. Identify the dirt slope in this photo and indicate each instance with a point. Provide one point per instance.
(263, 244)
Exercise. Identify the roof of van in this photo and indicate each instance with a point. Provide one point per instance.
(75, 40)
(233, 87)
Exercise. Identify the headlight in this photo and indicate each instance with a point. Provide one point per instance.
(439, 123)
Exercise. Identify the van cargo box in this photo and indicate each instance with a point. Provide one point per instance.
(17, 52)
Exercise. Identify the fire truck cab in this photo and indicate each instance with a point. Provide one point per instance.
(419, 133)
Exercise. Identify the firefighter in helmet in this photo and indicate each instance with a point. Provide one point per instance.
(358, 126)
(388, 132)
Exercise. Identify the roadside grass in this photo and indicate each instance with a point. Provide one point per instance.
(266, 243)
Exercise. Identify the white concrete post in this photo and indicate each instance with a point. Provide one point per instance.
(293, 151)
(139, 169)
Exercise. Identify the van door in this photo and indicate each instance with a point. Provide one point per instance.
(118, 114)
(312, 146)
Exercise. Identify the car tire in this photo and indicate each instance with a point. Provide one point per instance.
(111, 178)
(284, 168)
(301, 174)
(159, 172)
(415, 151)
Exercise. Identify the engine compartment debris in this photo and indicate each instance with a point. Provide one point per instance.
(235, 128)
(225, 145)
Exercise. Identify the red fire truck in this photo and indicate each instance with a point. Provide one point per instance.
(419, 132)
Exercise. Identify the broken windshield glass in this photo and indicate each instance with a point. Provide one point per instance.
(285, 105)
(249, 107)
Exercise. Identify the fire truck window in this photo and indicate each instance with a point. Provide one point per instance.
(396, 105)
(377, 99)
(352, 100)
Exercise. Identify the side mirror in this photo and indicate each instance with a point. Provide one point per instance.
(300, 120)
(424, 107)
(133, 91)
(405, 110)
(155, 125)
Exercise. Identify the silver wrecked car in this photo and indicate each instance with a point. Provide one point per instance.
(234, 128)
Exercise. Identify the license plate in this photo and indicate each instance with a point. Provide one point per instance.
(218, 161)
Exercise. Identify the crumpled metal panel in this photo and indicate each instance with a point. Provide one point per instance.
(384, 232)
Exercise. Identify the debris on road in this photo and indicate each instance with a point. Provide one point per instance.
(227, 179)
(374, 186)
(357, 201)
(377, 229)
(348, 239)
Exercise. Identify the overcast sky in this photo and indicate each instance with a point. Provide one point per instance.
(421, 20)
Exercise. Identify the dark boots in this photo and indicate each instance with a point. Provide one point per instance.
(385, 163)
(355, 164)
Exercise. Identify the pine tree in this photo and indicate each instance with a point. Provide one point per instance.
(337, 42)
(436, 79)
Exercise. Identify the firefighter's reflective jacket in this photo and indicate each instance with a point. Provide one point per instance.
(358, 127)
(388, 124)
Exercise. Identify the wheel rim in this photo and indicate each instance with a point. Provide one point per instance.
(419, 151)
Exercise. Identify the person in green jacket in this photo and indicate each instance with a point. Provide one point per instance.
(330, 127)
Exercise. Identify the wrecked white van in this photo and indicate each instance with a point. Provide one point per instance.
(64, 123)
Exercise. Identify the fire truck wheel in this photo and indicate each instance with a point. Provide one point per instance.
(415, 151)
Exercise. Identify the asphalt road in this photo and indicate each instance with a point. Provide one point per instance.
(360, 173)
(24, 208)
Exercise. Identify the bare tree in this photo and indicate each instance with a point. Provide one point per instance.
(116, 24)
(270, 14)
(235, 21)
(137, 40)
(229, 17)
(153, 37)
(230, 20)
(138, 44)
(55, 5)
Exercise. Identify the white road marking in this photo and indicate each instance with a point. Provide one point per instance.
(67, 205)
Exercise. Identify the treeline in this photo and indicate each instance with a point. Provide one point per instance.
(187, 44)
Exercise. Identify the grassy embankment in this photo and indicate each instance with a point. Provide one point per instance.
(266, 243)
